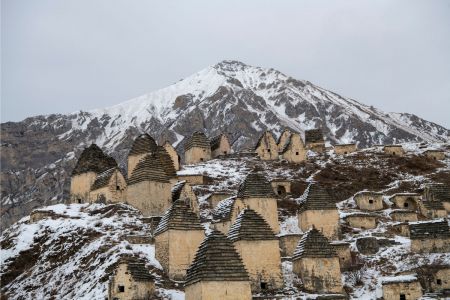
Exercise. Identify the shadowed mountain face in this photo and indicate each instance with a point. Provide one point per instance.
(38, 153)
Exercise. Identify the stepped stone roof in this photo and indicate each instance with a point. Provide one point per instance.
(180, 217)
(143, 144)
(93, 159)
(215, 141)
(137, 269)
(288, 143)
(441, 192)
(313, 136)
(314, 244)
(103, 178)
(176, 190)
(198, 139)
(154, 167)
(258, 143)
(284, 130)
(223, 209)
(250, 226)
(216, 260)
(255, 185)
(433, 205)
(432, 229)
(316, 198)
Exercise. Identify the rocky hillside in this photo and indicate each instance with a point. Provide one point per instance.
(37, 154)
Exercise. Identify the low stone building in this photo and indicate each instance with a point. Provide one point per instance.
(318, 209)
(257, 194)
(396, 150)
(401, 228)
(406, 200)
(314, 140)
(143, 145)
(438, 192)
(403, 287)
(259, 249)
(109, 187)
(225, 214)
(435, 154)
(266, 148)
(344, 149)
(294, 150)
(195, 179)
(220, 145)
(441, 279)
(149, 188)
(177, 239)
(131, 280)
(361, 220)
(213, 199)
(197, 148)
(433, 209)
(183, 191)
(430, 237)
(281, 187)
(283, 138)
(92, 162)
(343, 252)
(288, 243)
(403, 215)
(367, 200)
(315, 261)
(217, 272)
(173, 155)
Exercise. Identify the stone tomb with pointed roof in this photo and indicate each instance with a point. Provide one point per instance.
(319, 209)
(344, 149)
(259, 249)
(183, 191)
(266, 148)
(257, 194)
(173, 155)
(177, 237)
(197, 148)
(225, 213)
(438, 192)
(432, 209)
(109, 186)
(149, 188)
(316, 262)
(217, 272)
(220, 145)
(131, 280)
(430, 237)
(314, 140)
(368, 200)
(143, 145)
(91, 163)
(293, 150)
(283, 138)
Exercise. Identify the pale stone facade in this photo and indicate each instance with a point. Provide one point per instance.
(343, 251)
(326, 221)
(370, 201)
(129, 284)
(267, 148)
(183, 191)
(288, 243)
(402, 290)
(344, 149)
(173, 155)
(430, 236)
(225, 214)
(294, 151)
(433, 209)
(396, 150)
(400, 215)
(430, 245)
(441, 279)
(195, 179)
(401, 229)
(220, 145)
(150, 197)
(80, 186)
(109, 186)
(197, 149)
(363, 221)
(214, 290)
(266, 207)
(406, 200)
(281, 187)
(435, 154)
(314, 140)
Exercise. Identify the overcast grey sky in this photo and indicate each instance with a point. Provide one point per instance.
(62, 56)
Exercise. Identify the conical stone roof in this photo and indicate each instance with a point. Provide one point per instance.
(216, 260)
(316, 197)
(198, 139)
(250, 226)
(92, 159)
(314, 244)
(143, 144)
(154, 167)
(180, 217)
(255, 185)
(103, 178)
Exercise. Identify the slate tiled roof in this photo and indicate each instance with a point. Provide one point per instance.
(180, 217)
(143, 144)
(286, 145)
(223, 209)
(440, 192)
(258, 143)
(154, 167)
(215, 141)
(433, 205)
(316, 198)
(216, 260)
(93, 159)
(135, 266)
(176, 190)
(314, 244)
(250, 226)
(313, 136)
(427, 230)
(198, 139)
(103, 178)
(255, 185)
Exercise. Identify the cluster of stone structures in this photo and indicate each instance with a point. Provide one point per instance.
(242, 253)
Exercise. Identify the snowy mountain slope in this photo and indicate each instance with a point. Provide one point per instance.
(229, 96)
